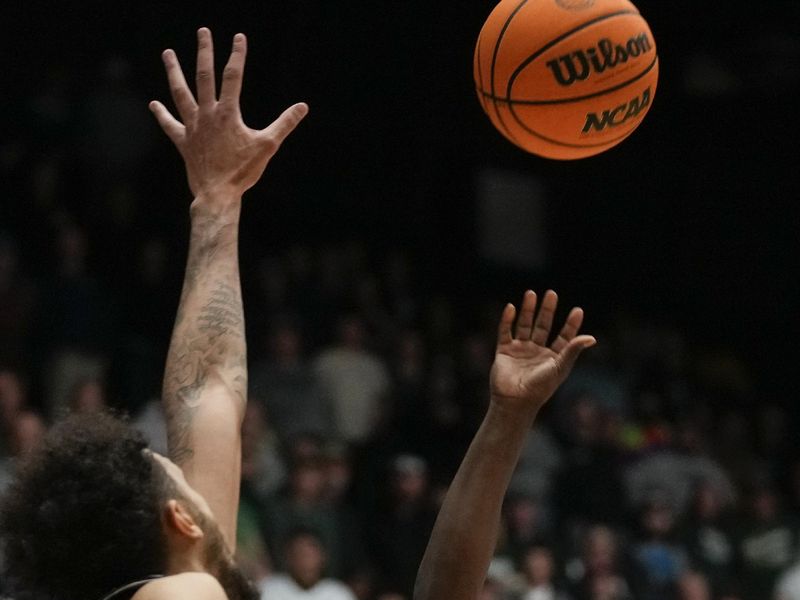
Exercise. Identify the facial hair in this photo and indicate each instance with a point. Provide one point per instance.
(220, 563)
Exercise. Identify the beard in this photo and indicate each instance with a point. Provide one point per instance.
(220, 563)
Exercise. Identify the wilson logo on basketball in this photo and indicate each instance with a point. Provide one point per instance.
(619, 115)
(578, 65)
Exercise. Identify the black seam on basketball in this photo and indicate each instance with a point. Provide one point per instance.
(566, 145)
(576, 98)
(559, 39)
(479, 66)
(494, 63)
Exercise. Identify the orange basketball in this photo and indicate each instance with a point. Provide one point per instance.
(566, 79)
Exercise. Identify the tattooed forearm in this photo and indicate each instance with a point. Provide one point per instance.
(222, 314)
(208, 343)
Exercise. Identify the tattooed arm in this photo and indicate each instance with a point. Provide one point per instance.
(205, 381)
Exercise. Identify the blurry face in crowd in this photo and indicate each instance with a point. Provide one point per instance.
(538, 566)
(305, 560)
(600, 550)
(658, 520)
(338, 475)
(88, 397)
(765, 505)
(523, 514)
(409, 479)
(608, 587)
(28, 433)
(308, 482)
(694, 587)
(707, 502)
(410, 486)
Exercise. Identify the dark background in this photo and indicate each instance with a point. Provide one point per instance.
(691, 222)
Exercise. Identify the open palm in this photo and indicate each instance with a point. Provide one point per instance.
(221, 153)
(526, 371)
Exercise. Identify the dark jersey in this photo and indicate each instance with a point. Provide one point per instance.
(126, 592)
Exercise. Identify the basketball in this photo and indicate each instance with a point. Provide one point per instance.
(566, 79)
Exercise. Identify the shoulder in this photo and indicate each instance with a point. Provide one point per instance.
(194, 586)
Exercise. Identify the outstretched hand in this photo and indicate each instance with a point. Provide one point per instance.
(526, 370)
(223, 156)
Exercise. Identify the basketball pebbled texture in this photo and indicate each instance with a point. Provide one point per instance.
(566, 79)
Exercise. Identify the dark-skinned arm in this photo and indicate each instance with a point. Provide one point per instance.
(525, 373)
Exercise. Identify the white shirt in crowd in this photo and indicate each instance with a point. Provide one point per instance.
(788, 587)
(283, 587)
(356, 383)
(541, 592)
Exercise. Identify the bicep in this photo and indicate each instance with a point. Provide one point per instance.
(212, 464)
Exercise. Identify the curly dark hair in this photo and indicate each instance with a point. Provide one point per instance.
(84, 514)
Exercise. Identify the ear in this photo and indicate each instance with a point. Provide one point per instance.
(181, 522)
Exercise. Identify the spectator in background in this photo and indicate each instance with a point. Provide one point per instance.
(87, 396)
(788, 586)
(263, 467)
(588, 487)
(289, 388)
(304, 505)
(660, 562)
(76, 322)
(263, 473)
(338, 474)
(539, 569)
(305, 559)
(708, 538)
(409, 371)
(694, 586)
(599, 573)
(768, 543)
(27, 432)
(526, 524)
(138, 361)
(538, 466)
(676, 468)
(356, 381)
(400, 532)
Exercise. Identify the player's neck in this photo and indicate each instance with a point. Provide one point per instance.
(188, 559)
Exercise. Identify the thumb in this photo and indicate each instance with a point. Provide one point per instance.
(568, 356)
(284, 125)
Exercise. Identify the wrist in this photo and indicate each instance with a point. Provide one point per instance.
(512, 415)
(216, 206)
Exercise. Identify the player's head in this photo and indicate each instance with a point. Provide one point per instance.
(93, 509)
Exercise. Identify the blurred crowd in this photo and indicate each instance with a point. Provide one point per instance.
(651, 475)
(656, 473)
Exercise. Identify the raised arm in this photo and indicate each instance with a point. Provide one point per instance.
(526, 372)
(205, 381)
